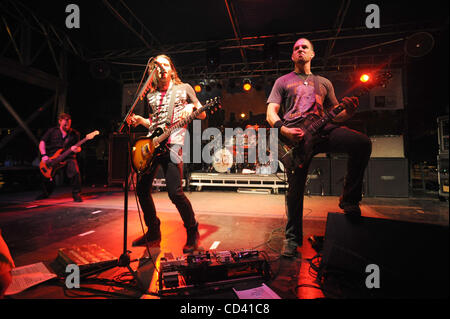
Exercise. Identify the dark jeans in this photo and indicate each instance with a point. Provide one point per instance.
(73, 173)
(173, 174)
(341, 140)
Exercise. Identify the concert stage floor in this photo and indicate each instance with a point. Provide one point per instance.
(35, 230)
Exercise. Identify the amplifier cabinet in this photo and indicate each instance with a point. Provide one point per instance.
(388, 177)
(318, 182)
(338, 172)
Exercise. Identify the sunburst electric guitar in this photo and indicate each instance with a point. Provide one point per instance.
(298, 154)
(145, 149)
(49, 168)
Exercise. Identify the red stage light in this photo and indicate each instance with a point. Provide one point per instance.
(198, 88)
(364, 78)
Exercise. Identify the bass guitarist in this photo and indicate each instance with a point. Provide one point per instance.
(169, 100)
(62, 136)
(294, 96)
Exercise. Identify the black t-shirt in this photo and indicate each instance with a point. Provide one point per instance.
(297, 99)
(54, 141)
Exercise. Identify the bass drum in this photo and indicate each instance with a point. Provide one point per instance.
(223, 160)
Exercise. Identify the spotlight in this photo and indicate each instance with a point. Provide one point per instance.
(364, 78)
(243, 115)
(198, 88)
(247, 85)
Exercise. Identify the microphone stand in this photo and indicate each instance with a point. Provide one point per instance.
(124, 259)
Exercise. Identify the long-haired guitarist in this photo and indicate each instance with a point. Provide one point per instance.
(62, 136)
(293, 99)
(170, 100)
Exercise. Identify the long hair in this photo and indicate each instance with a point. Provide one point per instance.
(175, 77)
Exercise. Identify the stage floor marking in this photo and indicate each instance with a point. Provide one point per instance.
(87, 233)
(214, 245)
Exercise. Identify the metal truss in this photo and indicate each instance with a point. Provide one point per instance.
(22, 23)
(272, 70)
(126, 16)
(388, 36)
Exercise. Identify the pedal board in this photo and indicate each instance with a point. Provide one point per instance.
(210, 269)
(85, 257)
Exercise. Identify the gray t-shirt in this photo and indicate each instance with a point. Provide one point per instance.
(298, 100)
(159, 104)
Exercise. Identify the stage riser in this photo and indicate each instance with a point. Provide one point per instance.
(384, 177)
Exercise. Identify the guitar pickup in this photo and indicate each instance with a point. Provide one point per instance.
(145, 150)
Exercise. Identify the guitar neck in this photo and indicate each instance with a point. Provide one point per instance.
(315, 126)
(180, 124)
(69, 151)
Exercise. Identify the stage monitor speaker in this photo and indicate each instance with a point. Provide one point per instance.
(412, 258)
(338, 172)
(319, 177)
(118, 146)
(388, 177)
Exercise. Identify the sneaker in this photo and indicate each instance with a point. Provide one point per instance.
(150, 238)
(289, 249)
(350, 209)
(192, 240)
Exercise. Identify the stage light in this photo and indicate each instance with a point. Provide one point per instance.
(198, 88)
(247, 85)
(243, 115)
(364, 78)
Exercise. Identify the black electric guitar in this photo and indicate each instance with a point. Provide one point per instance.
(145, 149)
(300, 153)
(49, 168)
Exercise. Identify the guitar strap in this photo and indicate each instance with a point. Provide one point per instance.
(316, 88)
(171, 104)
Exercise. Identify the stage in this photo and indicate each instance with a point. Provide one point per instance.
(229, 221)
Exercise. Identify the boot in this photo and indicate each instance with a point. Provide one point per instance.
(192, 239)
(151, 238)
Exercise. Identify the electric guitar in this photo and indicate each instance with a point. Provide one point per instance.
(145, 149)
(300, 153)
(49, 168)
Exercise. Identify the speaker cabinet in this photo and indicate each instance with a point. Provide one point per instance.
(338, 172)
(117, 159)
(412, 258)
(318, 177)
(388, 177)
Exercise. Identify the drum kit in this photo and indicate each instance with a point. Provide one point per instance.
(233, 157)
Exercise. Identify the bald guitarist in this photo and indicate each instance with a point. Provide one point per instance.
(62, 137)
(296, 98)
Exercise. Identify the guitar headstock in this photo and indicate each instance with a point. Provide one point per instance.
(213, 104)
(91, 135)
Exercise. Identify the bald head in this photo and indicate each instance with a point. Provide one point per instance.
(303, 51)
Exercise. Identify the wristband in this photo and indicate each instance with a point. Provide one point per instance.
(278, 124)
